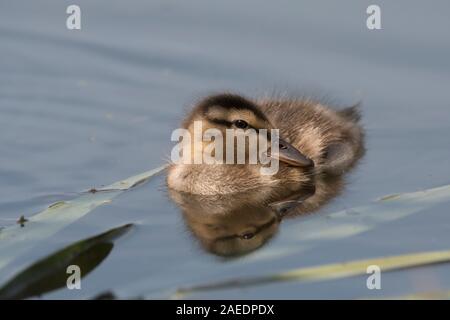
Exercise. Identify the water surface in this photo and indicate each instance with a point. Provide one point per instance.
(81, 109)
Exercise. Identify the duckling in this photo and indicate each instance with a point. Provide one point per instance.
(314, 139)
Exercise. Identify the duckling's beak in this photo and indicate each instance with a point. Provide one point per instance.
(290, 155)
(282, 208)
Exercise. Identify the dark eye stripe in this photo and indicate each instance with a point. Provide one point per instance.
(231, 101)
(230, 124)
(222, 122)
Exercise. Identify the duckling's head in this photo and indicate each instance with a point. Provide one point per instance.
(235, 115)
(241, 124)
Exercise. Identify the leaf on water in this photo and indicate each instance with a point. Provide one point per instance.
(50, 273)
(343, 224)
(134, 181)
(56, 205)
(389, 197)
(16, 241)
(326, 272)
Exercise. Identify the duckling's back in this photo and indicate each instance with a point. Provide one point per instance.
(332, 138)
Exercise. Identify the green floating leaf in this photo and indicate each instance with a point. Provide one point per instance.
(327, 272)
(50, 273)
(350, 222)
(16, 240)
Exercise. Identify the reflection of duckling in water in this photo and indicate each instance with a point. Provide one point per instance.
(237, 224)
(332, 139)
(228, 225)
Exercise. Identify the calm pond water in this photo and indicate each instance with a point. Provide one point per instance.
(82, 109)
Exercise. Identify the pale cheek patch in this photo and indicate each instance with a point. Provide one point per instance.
(175, 178)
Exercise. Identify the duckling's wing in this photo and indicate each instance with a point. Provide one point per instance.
(352, 113)
(339, 157)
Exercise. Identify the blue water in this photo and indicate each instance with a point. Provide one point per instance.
(84, 108)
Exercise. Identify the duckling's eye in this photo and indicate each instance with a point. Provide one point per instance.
(247, 236)
(241, 124)
(283, 147)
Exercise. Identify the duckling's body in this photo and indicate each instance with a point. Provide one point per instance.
(332, 139)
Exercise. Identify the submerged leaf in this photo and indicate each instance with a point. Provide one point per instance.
(50, 273)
